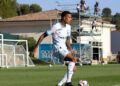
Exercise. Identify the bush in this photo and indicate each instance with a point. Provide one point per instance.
(31, 42)
(113, 62)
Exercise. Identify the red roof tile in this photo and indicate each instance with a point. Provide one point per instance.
(44, 15)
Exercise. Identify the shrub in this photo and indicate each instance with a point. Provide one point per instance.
(31, 42)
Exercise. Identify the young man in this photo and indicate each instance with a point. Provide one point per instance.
(83, 5)
(96, 9)
(78, 8)
(61, 43)
(94, 25)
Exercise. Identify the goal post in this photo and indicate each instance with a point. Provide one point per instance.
(2, 51)
(14, 53)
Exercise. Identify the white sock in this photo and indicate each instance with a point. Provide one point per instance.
(70, 71)
(63, 80)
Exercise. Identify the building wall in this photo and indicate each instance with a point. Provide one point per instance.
(30, 29)
(115, 42)
(106, 39)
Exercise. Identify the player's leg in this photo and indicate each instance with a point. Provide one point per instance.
(95, 28)
(60, 54)
(68, 57)
(92, 28)
(64, 79)
(70, 68)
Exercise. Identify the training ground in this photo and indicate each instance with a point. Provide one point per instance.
(99, 75)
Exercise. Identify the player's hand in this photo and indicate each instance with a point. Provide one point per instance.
(73, 51)
(33, 52)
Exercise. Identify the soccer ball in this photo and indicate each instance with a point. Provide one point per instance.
(83, 83)
(50, 65)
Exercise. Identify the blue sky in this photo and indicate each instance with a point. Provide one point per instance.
(114, 5)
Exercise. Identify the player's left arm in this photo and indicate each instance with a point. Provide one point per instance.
(69, 46)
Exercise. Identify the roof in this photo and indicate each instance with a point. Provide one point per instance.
(44, 15)
(118, 29)
(98, 20)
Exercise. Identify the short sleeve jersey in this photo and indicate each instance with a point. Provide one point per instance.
(94, 23)
(59, 33)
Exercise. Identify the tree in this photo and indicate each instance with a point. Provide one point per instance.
(35, 8)
(19, 11)
(24, 9)
(0, 8)
(106, 12)
(8, 8)
(116, 20)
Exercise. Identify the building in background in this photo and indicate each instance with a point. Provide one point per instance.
(33, 25)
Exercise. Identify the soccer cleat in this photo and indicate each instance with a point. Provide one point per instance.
(58, 85)
(68, 84)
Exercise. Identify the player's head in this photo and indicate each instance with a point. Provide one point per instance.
(66, 17)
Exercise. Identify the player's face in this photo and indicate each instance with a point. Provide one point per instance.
(68, 18)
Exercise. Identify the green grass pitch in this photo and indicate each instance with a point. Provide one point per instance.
(107, 75)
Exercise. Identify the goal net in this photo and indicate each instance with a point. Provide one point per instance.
(14, 53)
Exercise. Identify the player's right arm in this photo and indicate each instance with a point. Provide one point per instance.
(45, 34)
(38, 42)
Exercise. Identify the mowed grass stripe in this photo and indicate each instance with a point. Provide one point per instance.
(107, 75)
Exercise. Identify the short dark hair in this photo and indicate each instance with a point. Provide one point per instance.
(64, 13)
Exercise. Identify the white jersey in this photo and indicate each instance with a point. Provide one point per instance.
(59, 34)
(94, 23)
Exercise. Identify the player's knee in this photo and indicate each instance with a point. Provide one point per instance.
(74, 60)
(69, 57)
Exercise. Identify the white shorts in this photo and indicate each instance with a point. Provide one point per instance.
(60, 53)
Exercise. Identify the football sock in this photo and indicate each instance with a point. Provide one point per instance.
(70, 71)
(63, 80)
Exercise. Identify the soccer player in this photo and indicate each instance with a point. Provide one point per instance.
(61, 45)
